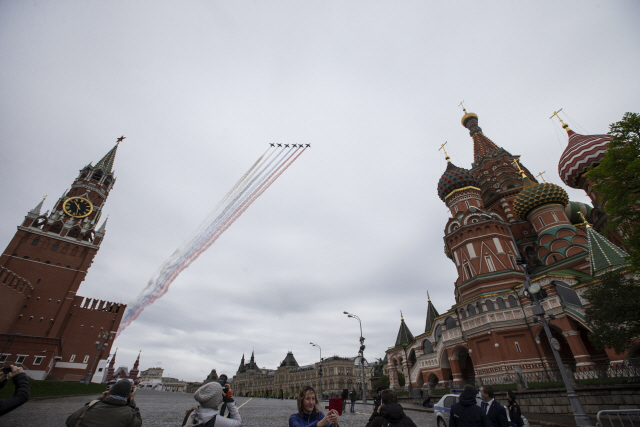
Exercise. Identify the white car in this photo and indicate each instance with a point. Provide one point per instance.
(442, 409)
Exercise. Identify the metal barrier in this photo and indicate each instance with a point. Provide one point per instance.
(624, 371)
(619, 418)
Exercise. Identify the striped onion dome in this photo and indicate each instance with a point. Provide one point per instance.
(535, 195)
(582, 152)
(453, 179)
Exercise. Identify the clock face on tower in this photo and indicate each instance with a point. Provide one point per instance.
(77, 207)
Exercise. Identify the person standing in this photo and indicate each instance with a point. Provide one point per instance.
(390, 412)
(353, 396)
(494, 410)
(344, 396)
(21, 393)
(308, 414)
(514, 409)
(115, 407)
(466, 413)
(210, 396)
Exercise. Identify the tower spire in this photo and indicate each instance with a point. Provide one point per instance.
(106, 163)
(37, 209)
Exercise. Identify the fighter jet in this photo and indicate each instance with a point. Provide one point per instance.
(272, 144)
(286, 145)
(308, 145)
(279, 145)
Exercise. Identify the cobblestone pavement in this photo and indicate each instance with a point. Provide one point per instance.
(167, 409)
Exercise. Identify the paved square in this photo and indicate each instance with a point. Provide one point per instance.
(168, 409)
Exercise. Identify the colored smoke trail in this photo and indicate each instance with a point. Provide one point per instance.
(249, 187)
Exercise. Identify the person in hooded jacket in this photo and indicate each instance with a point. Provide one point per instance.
(210, 396)
(466, 413)
(514, 409)
(21, 393)
(390, 413)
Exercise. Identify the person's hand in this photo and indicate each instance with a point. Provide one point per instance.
(229, 393)
(134, 389)
(15, 370)
(334, 416)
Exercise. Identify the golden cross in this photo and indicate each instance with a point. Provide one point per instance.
(515, 162)
(428, 297)
(446, 156)
(584, 220)
(542, 177)
(555, 113)
(401, 315)
(462, 105)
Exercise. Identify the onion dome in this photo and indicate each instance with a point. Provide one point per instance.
(574, 209)
(535, 195)
(582, 152)
(454, 178)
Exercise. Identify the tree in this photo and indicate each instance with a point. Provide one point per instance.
(614, 313)
(617, 178)
(383, 381)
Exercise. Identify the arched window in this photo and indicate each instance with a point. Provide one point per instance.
(450, 323)
(97, 175)
(427, 347)
(471, 309)
(489, 305)
(512, 301)
(438, 333)
(501, 305)
(479, 307)
(463, 314)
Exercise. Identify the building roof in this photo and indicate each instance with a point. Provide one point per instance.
(534, 195)
(106, 163)
(404, 334)
(604, 256)
(289, 360)
(432, 313)
(582, 152)
(454, 178)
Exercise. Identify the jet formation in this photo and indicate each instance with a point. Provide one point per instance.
(292, 145)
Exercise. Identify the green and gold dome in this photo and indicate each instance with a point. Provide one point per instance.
(535, 195)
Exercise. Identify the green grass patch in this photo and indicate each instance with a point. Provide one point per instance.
(54, 388)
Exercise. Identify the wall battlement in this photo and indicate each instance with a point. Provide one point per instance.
(94, 304)
(11, 280)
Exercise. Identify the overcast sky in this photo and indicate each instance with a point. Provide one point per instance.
(200, 88)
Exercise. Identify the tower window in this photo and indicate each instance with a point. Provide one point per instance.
(467, 203)
(468, 269)
(38, 360)
(55, 247)
(86, 359)
(555, 218)
(518, 347)
(35, 242)
(97, 175)
(47, 262)
(542, 222)
(513, 262)
(20, 359)
(3, 358)
(25, 257)
(455, 208)
(73, 357)
(490, 264)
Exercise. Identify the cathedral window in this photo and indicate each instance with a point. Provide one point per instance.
(472, 252)
(513, 262)
(490, 264)
(471, 309)
(498, 245)
(468, 270)
(72, 358)
(489, 305)
(438, 333)
(479, 307)
(55, 247)
(501, 304)
(517, 347)
(555, 218)
(512, 301)
(467, 203)
(35, 242)
(542, 222)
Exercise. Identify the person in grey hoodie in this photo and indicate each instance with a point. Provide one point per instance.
(210, 396)
(466, 413)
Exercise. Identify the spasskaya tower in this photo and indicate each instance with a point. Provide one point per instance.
(45, 325)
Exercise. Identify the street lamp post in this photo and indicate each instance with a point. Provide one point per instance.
(319, 390)
(581, 417)
(100, 346)
(361, 354)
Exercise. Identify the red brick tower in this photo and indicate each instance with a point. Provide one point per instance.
(41, 270)
(133, 374)
(112, 366)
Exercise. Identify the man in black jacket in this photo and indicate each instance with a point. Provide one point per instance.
(390, 413)
(466, 413)
(494, 410)
(21, 393)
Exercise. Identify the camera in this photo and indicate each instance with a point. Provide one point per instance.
(6, 369)
(223, 382)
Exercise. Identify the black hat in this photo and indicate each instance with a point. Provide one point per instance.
(122, 388)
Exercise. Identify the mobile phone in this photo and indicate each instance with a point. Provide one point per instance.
(6, 369)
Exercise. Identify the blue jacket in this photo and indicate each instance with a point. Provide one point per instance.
(309, 420)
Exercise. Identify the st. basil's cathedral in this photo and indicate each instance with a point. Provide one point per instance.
(501, 216)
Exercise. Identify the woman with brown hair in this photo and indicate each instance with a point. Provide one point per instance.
(309, 414)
